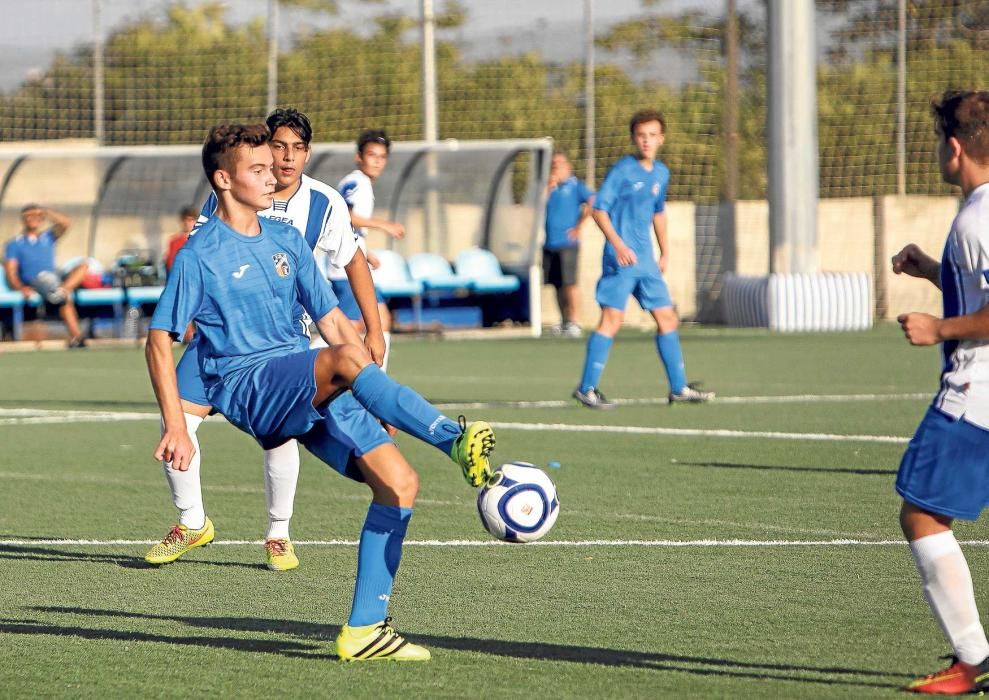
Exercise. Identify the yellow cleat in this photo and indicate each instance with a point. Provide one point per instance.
(472, 449)
(377, 641)
(178, 541)
(281, 555)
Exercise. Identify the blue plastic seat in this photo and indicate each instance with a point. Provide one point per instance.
(9, 299)
(136, 296)
(435, 273)
(484, 273)
(392, 277)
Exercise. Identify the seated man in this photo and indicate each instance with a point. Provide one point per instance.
(239, 279)
(30, 266)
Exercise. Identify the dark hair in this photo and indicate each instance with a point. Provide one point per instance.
(964, 114)
(224, 138)
(29, 207)
(294, 120)
(189, 212)
(373, 136)
(643, 116)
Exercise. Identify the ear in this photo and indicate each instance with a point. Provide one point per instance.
(955, 147)
(357, 157)
(221, 180)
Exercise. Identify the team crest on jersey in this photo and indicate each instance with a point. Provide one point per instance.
(655, 189)
(281, 264)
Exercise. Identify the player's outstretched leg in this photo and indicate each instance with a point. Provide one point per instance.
(281, 475)
(469, 445)
(368, 634)
(194, 529)
(598, 347)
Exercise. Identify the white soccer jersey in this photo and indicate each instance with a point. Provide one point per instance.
(317, 211)
(358, 192)
(965, 287)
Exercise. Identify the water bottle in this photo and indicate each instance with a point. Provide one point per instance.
(132, 320)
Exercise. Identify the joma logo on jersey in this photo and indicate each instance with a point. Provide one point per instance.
(281, 264)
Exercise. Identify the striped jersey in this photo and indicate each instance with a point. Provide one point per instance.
(357, 191)
(964, 389)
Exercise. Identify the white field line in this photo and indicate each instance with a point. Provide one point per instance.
(792, 398)
(696, 432)
(495, 543)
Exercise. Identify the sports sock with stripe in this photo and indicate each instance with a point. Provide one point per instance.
(668, 347)
(378, 557)
(398, 405)
(598, 346)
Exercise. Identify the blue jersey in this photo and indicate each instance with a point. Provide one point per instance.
(33, 255)
(241, 291)
(563, 212)
(631, 196)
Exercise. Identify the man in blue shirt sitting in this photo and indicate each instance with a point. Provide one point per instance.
(30, 266)
(567, 205)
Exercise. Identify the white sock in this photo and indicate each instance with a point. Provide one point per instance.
(187, 494)
(281, 474)
(947, 585)
(384, 363)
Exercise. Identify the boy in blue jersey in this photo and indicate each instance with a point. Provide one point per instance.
(239, 278)
(943, 474)
(629, 208)
(567, 205)
(321, 217)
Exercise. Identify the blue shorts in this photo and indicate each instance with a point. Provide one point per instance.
(945, 469)
(347, 433)
(191, 387)
(348, 302)
(647, 286)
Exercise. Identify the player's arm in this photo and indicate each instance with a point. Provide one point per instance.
(586, 209)
(175, 445)
(924, 329)
(14, 279)
(626, 256)
(392, 228)
(659, 226)
(916, 263)
(359, 277)
(60, 222)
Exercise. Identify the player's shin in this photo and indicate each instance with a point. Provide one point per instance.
(281, 475)
(378, 557)
(671, 355)
(400, 406)
(187, 494)
(598, 347)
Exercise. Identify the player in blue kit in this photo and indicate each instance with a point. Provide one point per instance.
(629, 208)
(239, 278)
(944, 472)
(322, 218)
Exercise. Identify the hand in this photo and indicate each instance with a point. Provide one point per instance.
(375, 346)
(373, 260)
(573, 233)
(921, 329)
(915, 262)
(395, 230)
(626, 256)
(175, 449)
(662, 263)
(27, 291)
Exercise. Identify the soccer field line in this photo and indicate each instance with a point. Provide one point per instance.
(50, 417)
(662, 401)
(496, 543)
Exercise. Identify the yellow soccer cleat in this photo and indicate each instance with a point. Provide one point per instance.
(178, 541)
(280, 555)
(377, 641)
(472, 449)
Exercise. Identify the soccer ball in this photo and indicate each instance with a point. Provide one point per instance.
(519, 503)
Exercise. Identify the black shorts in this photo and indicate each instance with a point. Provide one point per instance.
(560, 267)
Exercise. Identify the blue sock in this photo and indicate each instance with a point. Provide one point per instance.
(402, 407)
(597, 356)
(668, 347)
(378, 556)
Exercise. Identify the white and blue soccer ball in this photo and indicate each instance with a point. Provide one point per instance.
(519, 503)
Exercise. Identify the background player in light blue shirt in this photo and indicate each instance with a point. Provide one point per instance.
(567, 205)
(239, 278)
(629, 208)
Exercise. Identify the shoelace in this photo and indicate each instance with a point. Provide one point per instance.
(174, 535)
(276, 547)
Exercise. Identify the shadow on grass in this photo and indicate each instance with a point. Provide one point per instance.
(22, 552)
(541, 651)
(785, 468)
